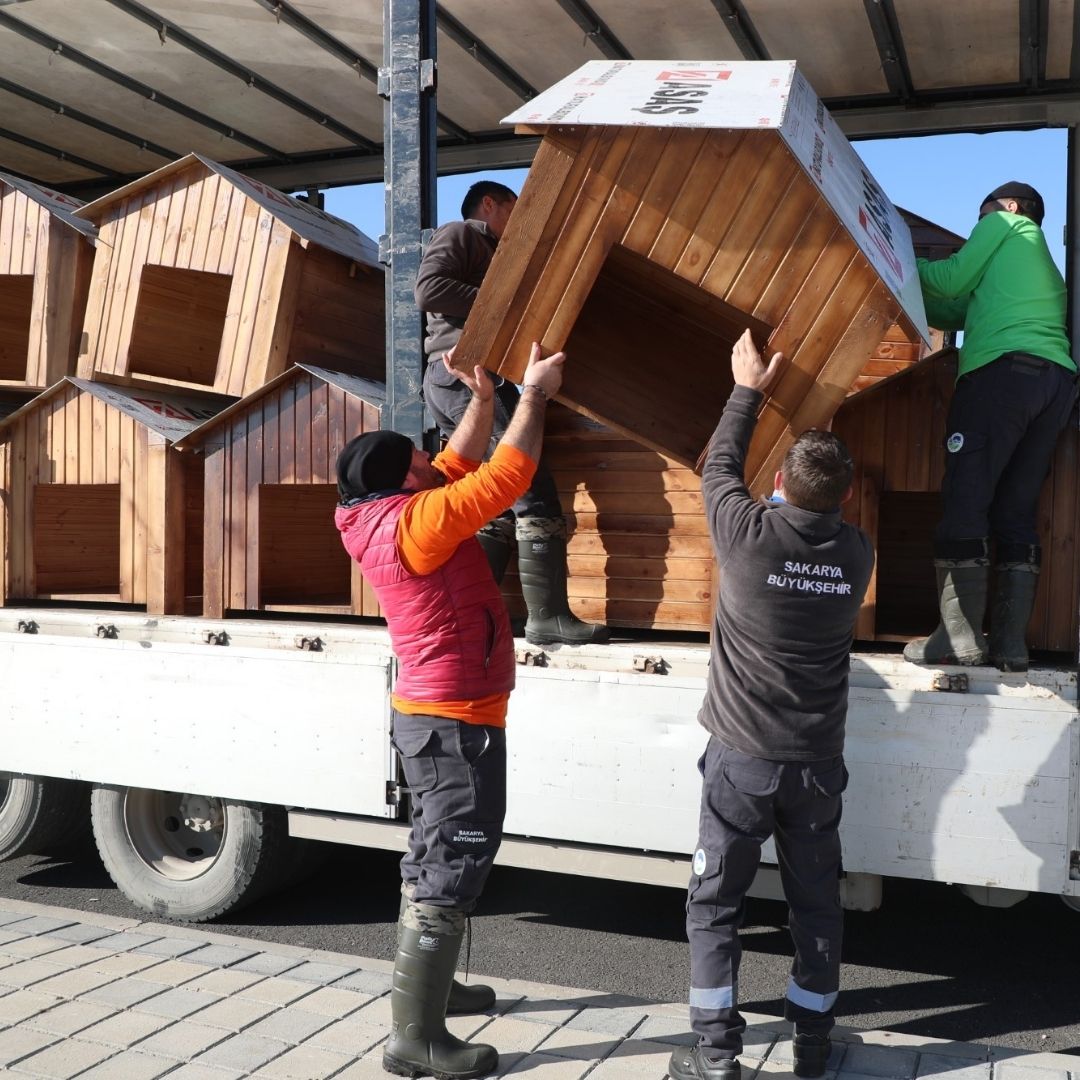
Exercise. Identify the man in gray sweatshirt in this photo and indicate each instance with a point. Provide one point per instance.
(451, 272)
(792, 579)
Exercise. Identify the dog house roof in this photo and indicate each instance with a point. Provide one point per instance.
(744, 95)
(171, 415)
(366, 389)
(312, 225)
(62, 207)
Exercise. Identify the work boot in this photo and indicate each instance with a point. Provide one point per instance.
(464, 999)
(958, 639)
(542, 569)
(811, 1054)
(419, 1044)
(698, 1063)
(497, 538)
(1016, 582)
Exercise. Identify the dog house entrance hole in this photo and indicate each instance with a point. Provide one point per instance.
(16, 303)
(77, 541)
(652, 354)
(179, 323)
(302, 563)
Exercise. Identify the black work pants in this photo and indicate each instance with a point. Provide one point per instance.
(448, 403)
(744, 800)
(1003, 425)
(456, 775)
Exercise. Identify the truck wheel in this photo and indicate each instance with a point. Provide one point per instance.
(188, 856)
(40, 813)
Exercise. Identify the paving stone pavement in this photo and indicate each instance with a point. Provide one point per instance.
(103, 998)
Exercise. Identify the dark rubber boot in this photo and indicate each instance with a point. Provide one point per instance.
(811, 1055)
(465, 998)
(542, 569)
(958, 639)
(419, 1044)
(1016, 583)
(699, 1063)
(497, 540)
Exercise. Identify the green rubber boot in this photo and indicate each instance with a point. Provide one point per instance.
(958, 639)
(1014, 598)
(542, 569)
(465, 998)
(419, 1044)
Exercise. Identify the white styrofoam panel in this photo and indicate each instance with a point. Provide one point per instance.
(295, 728)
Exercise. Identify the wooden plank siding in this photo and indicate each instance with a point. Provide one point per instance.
(646, 267)
(638, 549)
(95, 507)
(269, 539)
(44, 281)
(896, 435)
(269, 299)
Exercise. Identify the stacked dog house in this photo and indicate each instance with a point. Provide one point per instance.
(204, 287)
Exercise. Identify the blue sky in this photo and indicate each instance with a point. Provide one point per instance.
(943, 178)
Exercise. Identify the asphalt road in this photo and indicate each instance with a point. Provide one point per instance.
(929, 962)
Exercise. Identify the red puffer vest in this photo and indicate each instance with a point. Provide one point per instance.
(450, 628)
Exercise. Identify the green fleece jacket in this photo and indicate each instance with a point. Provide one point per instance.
(1003, 290)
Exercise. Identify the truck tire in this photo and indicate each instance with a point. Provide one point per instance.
(41, 814)
(186, 856)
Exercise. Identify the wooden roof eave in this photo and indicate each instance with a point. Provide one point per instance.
(861, 395)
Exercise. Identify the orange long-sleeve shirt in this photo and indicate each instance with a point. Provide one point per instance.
(436, 521)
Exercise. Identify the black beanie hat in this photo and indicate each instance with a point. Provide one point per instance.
(375, 461)
(1014, 189)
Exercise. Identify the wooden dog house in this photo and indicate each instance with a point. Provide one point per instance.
(98, 504)
(270, 543)
(896, 433)
(206, 279)
(45, 258)
(670, 207)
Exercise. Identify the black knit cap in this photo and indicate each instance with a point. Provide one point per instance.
(375, 461)
(1014, 189)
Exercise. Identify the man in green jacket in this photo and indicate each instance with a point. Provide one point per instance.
(1015, 390)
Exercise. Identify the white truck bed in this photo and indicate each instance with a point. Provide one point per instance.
(977, 787)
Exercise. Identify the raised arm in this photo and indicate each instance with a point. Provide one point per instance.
(542, 381)
(471, 437)
(723, 481)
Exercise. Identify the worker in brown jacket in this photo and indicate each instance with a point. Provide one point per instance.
(451, 272)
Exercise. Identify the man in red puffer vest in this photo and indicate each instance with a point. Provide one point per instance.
(410, 523)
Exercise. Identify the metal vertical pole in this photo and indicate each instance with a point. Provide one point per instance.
(407, 83)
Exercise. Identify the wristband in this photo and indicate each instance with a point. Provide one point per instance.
(538, 389)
